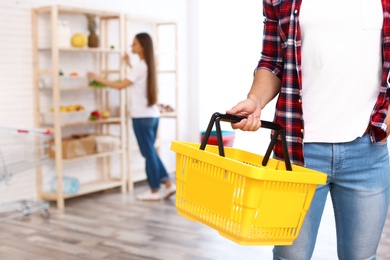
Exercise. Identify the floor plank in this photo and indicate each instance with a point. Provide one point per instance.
(110, 225)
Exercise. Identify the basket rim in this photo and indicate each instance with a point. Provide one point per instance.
(210, 156)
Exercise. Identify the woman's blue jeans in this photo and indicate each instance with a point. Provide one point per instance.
(145, 130)
(358, 182)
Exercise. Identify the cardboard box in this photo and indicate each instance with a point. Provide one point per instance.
(85, 144)
(75, 146)
(107, 143)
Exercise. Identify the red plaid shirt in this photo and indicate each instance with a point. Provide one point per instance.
(281, 55)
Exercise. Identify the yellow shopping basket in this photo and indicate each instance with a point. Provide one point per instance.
(248, 198)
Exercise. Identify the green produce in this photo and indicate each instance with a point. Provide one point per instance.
(96, 84)
(95, 115)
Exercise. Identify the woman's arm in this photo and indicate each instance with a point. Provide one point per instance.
(112, 84)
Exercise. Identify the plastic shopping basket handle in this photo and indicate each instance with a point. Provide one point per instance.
(217, 117)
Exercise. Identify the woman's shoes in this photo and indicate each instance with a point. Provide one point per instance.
(170, 191)
(155, 196)
(149, 196)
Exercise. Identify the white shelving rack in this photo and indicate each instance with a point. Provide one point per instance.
(49, 58)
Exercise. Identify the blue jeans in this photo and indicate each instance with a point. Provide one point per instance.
(145, 130)
(358, 182)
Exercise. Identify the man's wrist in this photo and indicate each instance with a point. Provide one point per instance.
(255, 99)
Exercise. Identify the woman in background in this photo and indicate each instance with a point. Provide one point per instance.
(145, 114)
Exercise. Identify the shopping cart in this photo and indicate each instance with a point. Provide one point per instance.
(248, 198)
(21, 150)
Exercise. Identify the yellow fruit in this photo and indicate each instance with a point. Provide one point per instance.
(71, 108)
(105, 114)
(79, 40)
(79, 107)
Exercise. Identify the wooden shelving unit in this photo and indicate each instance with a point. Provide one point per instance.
(102, 57)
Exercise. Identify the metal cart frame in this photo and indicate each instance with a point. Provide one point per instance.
(21, 150)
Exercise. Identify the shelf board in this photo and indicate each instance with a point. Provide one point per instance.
(166, 71)
(92, 50)
(93, 156)
(86, 189)
(76, 88)
(111, 120)
(78, 10)
(73, 10)
(66, 88)
(169, 114)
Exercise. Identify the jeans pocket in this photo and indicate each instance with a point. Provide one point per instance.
(381, 143)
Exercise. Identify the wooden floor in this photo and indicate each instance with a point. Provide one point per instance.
(111, 225)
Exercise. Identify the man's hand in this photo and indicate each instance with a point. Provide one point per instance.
(250, 109)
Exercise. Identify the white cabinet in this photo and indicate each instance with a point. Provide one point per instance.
(60, 83)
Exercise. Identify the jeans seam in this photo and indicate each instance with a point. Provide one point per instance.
(339, 227)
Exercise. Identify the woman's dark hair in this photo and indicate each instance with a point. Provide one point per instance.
(147, 44)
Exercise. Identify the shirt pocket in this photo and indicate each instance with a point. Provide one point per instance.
(371, 14)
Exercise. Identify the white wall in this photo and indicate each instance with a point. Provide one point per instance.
(230, 38)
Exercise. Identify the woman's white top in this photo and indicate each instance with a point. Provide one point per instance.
(138, 99)
(341, 67)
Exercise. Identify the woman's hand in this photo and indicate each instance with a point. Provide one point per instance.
(112, 84)
(126, 59)
(250, 109)
(92, 76)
